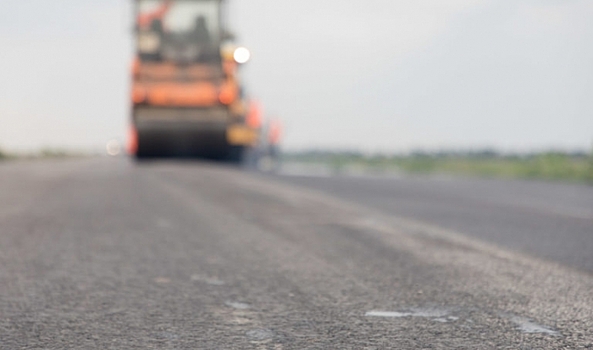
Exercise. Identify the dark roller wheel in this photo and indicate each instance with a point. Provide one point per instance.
(236, 154)
(144, 148)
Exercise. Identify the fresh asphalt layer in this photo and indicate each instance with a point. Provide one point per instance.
(109, 254)
(550, 220)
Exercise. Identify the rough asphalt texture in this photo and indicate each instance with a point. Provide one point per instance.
(108, 254)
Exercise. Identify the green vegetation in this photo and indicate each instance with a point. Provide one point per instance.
(43, 153)
(53, 153)
(576, 167)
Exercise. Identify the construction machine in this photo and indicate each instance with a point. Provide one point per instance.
(187, 98)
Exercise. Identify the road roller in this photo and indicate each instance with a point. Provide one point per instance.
(187, 97)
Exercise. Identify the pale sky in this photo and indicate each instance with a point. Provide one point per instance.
(376, 75)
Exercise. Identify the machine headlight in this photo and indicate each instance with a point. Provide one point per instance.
(241, 55)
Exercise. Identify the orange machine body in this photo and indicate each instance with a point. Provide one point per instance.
(166, 86)
(169, 85)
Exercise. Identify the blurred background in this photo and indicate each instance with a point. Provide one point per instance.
(371, 76)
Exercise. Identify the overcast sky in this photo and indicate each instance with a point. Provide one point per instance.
(377, 75)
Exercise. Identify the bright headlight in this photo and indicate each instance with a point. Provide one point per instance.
(241, 55)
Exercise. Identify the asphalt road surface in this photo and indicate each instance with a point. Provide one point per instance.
(108, 254)
(549, 220)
